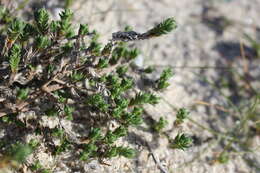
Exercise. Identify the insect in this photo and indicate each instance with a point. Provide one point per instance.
(126, 36)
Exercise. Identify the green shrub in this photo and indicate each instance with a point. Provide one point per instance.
(79, 75)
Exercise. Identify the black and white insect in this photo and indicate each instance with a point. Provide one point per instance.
(126, 36)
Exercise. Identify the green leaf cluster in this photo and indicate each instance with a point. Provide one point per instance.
(5, 15)
(42, 42)
(143, 98)
(120, 151)
(95, 137)
(68, 110)
(133, 118)
(19, 152)
(88, 151)
(77, 76)
(64, 25)
(23, 93)
(41, 18)
(165, 76)
(159, 125)
(181, 141)
(15, 57)
(98, 101)
(182, 114)
(83, 29)
(15, 29)
(162, 28)
(112, 136)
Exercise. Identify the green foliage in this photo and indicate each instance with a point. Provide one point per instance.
(149, 69)
(98, 102)
(142, 98)
(34, 143)
(121, 70)
(88, 151)
(223, 158)
(2, 11)
(50, 68)
(5, 15)
(121, 102)
(120, 131)
(165, 76)
(42, 42)
(38, 167)
(112, 152)
(126, 152)
(55, 61)
(67, 47)
(77, 76)
(68, 110)
(52, 112)
(57, 132)
(103, 63)
(54, 26)
(64, 26)
(107, 49)
(120, 151)
(95, 46)
(113, 80)
(128, 28)
(83, 29)
(41, 18)
(15, 57)
(133, 118)
(182, 114)
(15, 29)
(19, 152)
(111, 137)
(95, 134)
(22, 93)
(181, 141)
(158, 126)
(66, 15)
(28, 31)
(65, 145)
(117, 112)
(7, 119)
(131, 54)
(126, 83)
(162, 28)
(118, 53)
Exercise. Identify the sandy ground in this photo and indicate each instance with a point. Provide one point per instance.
(197, 49)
